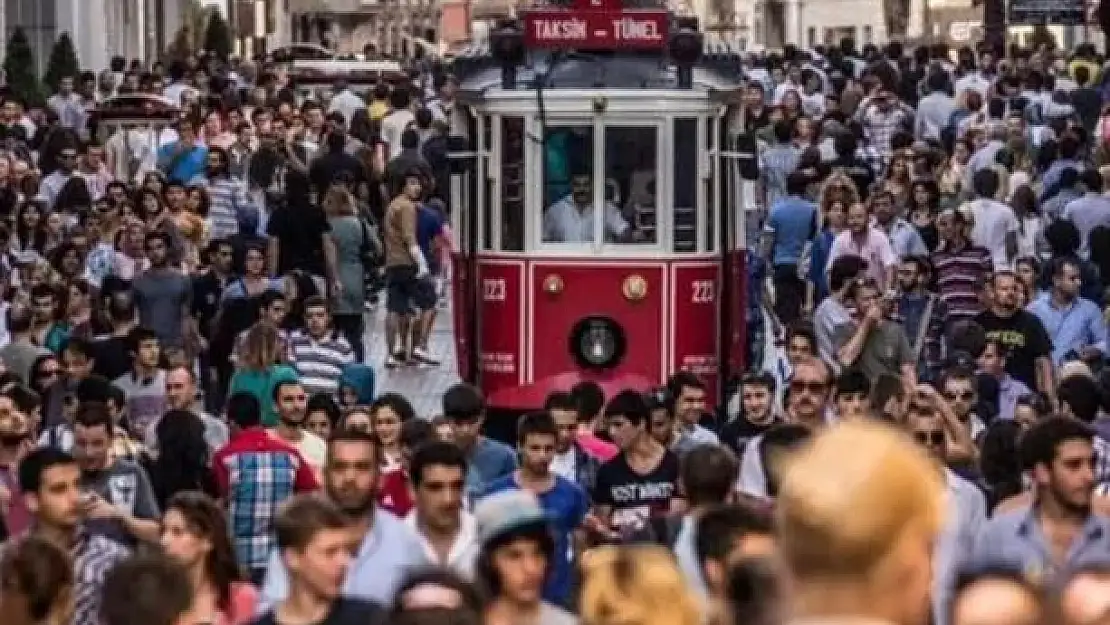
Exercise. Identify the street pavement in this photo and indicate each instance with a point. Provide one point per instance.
(422, 385)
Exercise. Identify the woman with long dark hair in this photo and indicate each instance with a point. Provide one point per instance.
(196, 535)
(182, 459)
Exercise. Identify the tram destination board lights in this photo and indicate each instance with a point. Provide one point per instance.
(597, 25)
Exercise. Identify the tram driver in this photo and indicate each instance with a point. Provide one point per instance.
(571, 219)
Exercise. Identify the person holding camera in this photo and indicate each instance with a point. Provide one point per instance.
(871, 342)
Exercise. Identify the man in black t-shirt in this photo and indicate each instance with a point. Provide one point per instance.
(313, 540)
(1021, 332)
(756, 415)
(639, 484)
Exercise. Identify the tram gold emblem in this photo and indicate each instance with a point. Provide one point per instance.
(635, 288)
(553, 284)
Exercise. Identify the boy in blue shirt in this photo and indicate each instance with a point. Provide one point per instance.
(564, 501)
(184, 159)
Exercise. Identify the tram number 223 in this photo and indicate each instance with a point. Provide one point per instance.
(703, 292)
(493, 289)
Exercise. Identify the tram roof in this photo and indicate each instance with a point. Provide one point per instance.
(718, 70)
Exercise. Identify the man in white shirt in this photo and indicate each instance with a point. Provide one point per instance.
(571, 219)
(346, 102)
(995, 227)
(437, 472)
(399, 118)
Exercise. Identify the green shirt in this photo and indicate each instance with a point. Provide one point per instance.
(261, 384)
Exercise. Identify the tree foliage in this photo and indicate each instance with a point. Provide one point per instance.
(217, 37)
(63, 62)
(19, 69)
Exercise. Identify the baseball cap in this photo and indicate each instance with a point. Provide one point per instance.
(507, 512)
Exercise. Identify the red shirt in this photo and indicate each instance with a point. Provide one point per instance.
(255, 441)
(394, 494)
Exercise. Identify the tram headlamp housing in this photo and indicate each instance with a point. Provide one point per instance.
(506, 45)
(597, 343)
(685, 49)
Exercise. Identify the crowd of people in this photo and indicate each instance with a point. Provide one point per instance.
(190, 431)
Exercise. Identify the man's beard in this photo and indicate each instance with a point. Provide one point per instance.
(353, 504)
(292, 422)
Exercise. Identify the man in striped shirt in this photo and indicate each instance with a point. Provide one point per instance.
(49, 480)
(227, 197)
(960, 267)
(318, 352)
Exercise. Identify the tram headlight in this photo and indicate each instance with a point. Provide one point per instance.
(597, 343)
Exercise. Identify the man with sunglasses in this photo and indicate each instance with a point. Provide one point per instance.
(51, 185)
(967, 508)
(807, 403)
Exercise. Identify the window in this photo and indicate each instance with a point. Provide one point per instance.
(867, 34)
(811, 36)
(512, 184)
(567, 161)
(685, 182)
(631, 178)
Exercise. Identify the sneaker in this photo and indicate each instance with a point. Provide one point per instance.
(421, 355)
(393, 361)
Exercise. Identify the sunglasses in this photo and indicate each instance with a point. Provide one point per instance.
(966, 396)
(936, 437)
(814, 388)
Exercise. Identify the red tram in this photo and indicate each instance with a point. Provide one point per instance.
(597, 202)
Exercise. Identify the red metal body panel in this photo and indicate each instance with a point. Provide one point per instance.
(594, 288)
(523, 336)
(696, 327)
(502, 324)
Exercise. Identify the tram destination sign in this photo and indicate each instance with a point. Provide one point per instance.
(1033, 12)
(596, 30)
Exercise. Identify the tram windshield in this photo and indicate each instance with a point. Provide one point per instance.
(628, 188)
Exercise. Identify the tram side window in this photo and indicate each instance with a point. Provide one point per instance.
(685, 185)
(568, 184)
(631, 177)
(512, 184)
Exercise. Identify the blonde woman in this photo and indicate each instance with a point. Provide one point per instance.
(261, 367)
(636, 585)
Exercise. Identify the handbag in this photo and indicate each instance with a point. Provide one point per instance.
(370, 249)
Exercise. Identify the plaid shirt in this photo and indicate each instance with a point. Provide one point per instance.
(881, 126)
(255, 473)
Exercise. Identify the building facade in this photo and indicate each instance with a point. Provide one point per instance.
(773, 23)
(393, 27)
(101, 29)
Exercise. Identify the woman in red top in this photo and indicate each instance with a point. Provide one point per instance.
(394, 493)
(195, 533)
